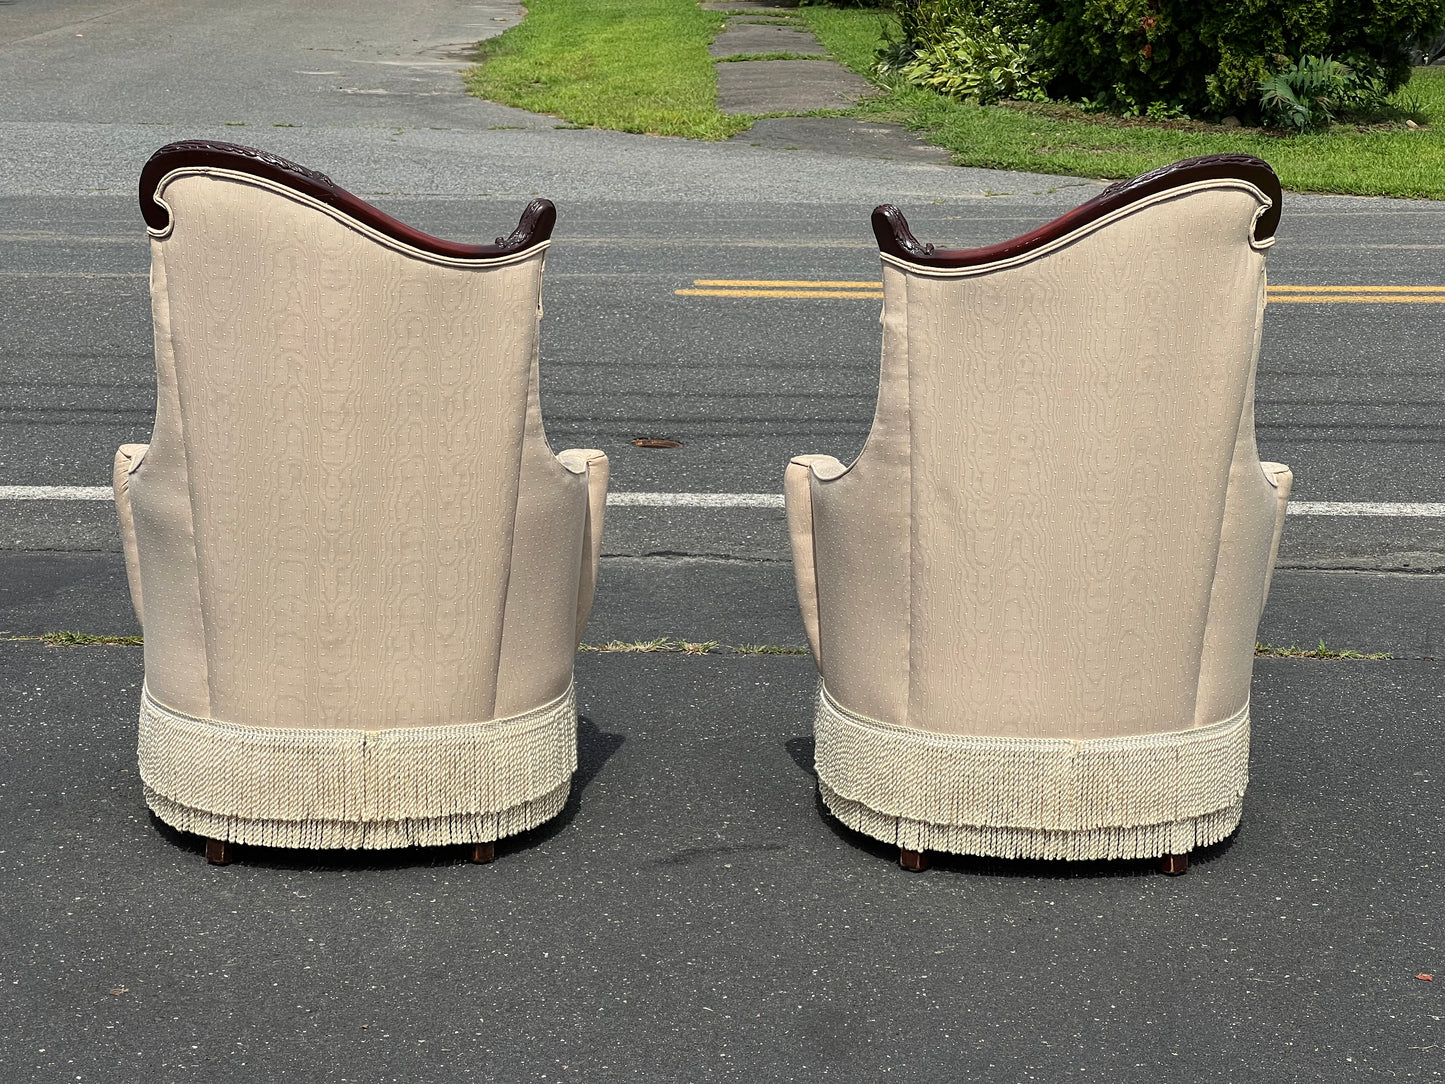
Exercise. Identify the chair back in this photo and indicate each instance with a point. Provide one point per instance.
(333, 478)
(1050, 463)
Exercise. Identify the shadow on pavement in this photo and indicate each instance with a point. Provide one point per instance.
(800, 749)
(594, 748)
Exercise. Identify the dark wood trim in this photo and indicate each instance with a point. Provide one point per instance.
(897, 240)
(482, 853)
(1174, 864)
(535, 226)
(219, 852)
(917, 861)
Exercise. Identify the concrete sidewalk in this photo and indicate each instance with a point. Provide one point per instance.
(769, 62)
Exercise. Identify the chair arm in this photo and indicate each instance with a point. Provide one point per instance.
(1282, 478)
(798, 496)
(127, 462)
(594, 465)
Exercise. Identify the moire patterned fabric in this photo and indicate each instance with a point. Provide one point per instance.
(1033, 599)
(348, 534)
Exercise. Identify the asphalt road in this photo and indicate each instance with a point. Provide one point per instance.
(693, 916)
(1348, 394)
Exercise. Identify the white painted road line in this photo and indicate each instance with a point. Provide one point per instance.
(1364, 508)
(694, 500)
(56, 493)
(637, 499)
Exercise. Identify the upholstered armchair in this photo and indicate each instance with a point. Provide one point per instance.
(361, 571)
(1033, 597)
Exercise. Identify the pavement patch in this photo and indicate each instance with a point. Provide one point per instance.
(737, 602)
(752, 527)
(842, 136)
(1399, 613)
(48, 592)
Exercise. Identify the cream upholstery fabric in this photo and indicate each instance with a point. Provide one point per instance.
(348, 521)
(1059, 532)
(126, 460)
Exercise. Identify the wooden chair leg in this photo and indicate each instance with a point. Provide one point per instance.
(218, 852)
(1174, 864)
(482, 853)
(914, 860)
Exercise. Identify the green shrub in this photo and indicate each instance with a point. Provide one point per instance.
(967, 49)
(1187, 57)
(1314, 90)
(974, 60)
(925, 23)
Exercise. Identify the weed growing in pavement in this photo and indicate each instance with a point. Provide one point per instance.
(66, 638)
(1321, 652)
(668, 645)
(661, 644)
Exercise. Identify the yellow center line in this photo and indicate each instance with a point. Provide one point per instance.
(846, 288)
(849, 284)
(780, 293)
(1361, 289)
(1374, 299)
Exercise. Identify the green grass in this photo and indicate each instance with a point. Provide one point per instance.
(629, 65)
(631, 646)
(768, 649)
(1384, 161)
(667, 645)
(67, 638)
(642, 66)
(852, 35)
(1321, 652)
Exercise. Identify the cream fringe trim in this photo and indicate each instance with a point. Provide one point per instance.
(404, 786)
(1142, 841)
(1128, 797)
(368, 835)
